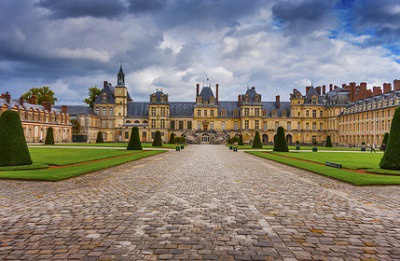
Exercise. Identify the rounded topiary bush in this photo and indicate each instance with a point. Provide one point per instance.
(390, 159)
(280, 144)
(134, 141)
(172, 138)
(99, 138)
(157, 139)
(328, 142)
(257, 141)
(14, 150)
(49, 137)
(240, 140)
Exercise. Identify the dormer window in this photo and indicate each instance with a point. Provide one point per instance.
(223, 113)
(314, 100)
(104, 98)
(264, 113)
(236, 113)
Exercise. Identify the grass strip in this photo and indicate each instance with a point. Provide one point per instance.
(111, 144)
(340, 174)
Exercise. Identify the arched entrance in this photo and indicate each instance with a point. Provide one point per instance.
(289, 139)
(205, 138)
(265, 138)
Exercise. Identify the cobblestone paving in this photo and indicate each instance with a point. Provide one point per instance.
(204, 202)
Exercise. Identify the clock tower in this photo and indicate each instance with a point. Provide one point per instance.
(121, 98)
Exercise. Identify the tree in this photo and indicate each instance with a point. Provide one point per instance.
(390, 159)
(157, 139)
(280, 144)
(43, 94)
(49, 137)
(178, 140)
(257, 141)
(385, 140)
(328, 141)
(99, 138)
(76, 126)
(134, 141)
(172, 138)
(93, 93)
(14, 150)
(240, 140)
(235, 139)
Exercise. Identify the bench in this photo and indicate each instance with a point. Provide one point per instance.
(333, 164)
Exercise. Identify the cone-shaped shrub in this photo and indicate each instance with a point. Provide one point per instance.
(49, 137)
(13, 148)
(240, 140)
(328, 142)
(157, 139)
(257, 141)
(172, 138)
(390, 159)
(99, 138)
(134, 141)
(280, 144)
(385, 140)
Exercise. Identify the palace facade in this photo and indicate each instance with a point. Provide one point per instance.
(350, 115)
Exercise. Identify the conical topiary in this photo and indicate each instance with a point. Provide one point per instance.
(172, 138)
(240, 140)
(257, 141)
(99, 138)
(134, 141)
(157, 139)
(328, 142)
(49, 137)
(14, 150)
(390, 159)
(385, 140)
(280, 144)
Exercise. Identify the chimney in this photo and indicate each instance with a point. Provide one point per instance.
(21, 101)
(47, 106)
(318, 89)
(363, 86)
(330, 87)
(307, 88)
(377, 90)
(323, 89)
(64, 109)
(294, 91)
(33, 100)
(197, 90)
(239, 101)
(396, 85)
(335, 87)
(7, 96)
(216, 92)
(387, 87)
(278, 101)
(105, 84)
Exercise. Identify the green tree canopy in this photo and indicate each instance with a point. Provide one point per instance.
(280, 143)
(240, 140)
(43, 94)
(93, 93)
(257, 141)
(328, 141)
(385, 140)
(172, 138)
(157, 139)
(390, 159)
(75, 126)
(49, 137)
(99, 138)
(134, 141)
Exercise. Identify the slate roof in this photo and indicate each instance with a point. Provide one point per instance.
(311, 92)
(78, 110)
(138, 109)
(181, 109)
(271, 105)
(229, 106)
(110, 91)
(206, 93)
(27, 106)
(337, 96)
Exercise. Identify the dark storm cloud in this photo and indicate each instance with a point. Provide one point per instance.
(300, 17)
(144, 6)
(82, 8)
(381, 18)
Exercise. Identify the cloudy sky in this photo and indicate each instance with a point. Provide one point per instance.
(275, 45)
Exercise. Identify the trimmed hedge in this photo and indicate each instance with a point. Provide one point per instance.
(49, 137)
(134, 141)
(99, 138)
(257, 141)
(390, 159)
(385, 140)
(240, 140)
(280, 144)
(172, 138)
(14, 150)
(157, 139)
(328, 142)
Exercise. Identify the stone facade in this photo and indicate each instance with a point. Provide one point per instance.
(343, 113)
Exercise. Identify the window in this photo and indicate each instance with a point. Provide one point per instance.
(321, 114)
(223, 125)
(180, 125)
(153, 123)
(314, 100)
(198, 125)
(172, 125)
(189, 125)
(153, 111)
(289, 126)
(235, 113)
(264, 113)
(205, 113)
(110, 124)
(111, 111)
(104, 98)
(211, 125)
(162, 123)
(307, 126)
(126, 135)
(256, 124)
(246, 112)
(321, 126)
(314, 126)
(223, 113)
(162, 112)
(298, 114)
(235, 125)
(276, 125)
(103, 124)
(212, 113)
(198, 113)
(314, 114)
(257, 112)
(265, 126)
(307, 113)
(104, 112)
(246, 124)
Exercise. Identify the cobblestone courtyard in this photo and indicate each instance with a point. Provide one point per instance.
(205, 202)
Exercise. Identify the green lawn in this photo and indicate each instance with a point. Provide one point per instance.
(111, 144)
(83, 160)
(349, 160)
(270, 147)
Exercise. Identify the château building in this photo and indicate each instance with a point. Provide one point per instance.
(350, 115)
